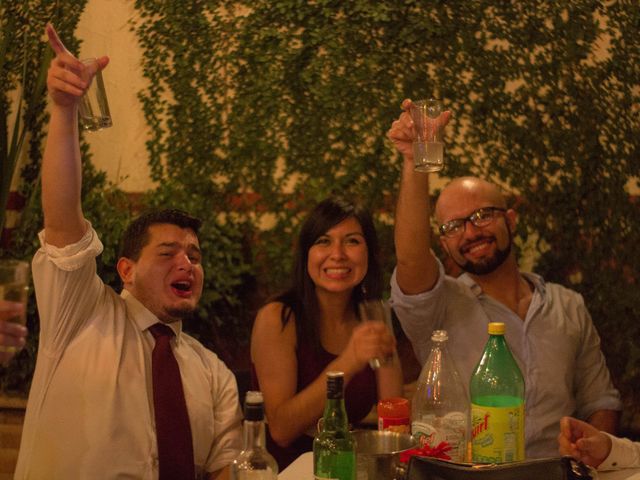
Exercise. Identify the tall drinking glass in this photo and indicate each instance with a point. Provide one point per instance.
(377, 311)
(428, 146)
(94, 108)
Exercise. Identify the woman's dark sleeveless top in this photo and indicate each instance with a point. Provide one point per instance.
(360, 396)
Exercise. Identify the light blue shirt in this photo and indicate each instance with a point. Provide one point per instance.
(557, 347)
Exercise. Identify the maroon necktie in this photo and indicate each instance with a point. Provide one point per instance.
(175, 446)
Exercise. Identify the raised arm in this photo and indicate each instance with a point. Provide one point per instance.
(417, 270)
(67, 80)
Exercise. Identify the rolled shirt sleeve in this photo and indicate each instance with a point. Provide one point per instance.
(67, 289)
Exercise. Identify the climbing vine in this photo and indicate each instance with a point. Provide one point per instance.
(279, 103)
(24, 59)
(258, 109)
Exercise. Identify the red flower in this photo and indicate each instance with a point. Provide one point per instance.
(439, 451)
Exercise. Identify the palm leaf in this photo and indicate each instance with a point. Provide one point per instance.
(27, 108)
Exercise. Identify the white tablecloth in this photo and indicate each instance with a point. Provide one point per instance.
(302, 469)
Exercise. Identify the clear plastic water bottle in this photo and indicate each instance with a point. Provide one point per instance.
(334, 449)
(497, 403)
(440, 407)
(254, 461)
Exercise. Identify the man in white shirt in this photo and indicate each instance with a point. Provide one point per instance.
(598, 449)
(91, 406)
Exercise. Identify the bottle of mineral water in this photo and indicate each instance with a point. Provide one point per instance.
(334, 450)
(254, 461)
(440, 407)
(497, 403)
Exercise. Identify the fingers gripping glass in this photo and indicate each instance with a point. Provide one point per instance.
(377, 311)
(480, 218)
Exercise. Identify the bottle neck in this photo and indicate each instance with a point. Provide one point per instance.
(335, 415)
(253, 435)
(495, 349)
(496, 341)
(438, 346)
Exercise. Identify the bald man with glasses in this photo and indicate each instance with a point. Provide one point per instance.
(548, 327)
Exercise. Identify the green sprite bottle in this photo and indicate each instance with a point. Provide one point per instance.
(334, 449)
(497, 403)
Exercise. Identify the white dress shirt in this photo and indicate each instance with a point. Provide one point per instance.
(624, 454)
(90, 409)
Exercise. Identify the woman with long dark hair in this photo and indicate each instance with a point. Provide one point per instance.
(314, 327)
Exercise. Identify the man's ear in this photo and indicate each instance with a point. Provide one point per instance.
(126, 270)
(511, 217)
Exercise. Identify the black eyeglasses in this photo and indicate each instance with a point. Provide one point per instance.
(480, 218)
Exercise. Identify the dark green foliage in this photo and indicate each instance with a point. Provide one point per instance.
(187, 160)
(109, 212)
(24, 60)
(271, 97)
(270, 106)
(24, 65)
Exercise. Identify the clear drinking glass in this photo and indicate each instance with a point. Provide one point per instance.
(428, 147)
(377, 311)
(14, 289)
(94, 108)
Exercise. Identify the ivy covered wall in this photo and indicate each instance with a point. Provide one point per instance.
(272, 105)
(289, 96)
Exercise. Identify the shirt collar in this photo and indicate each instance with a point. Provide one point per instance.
(143, 318)
(536, 280)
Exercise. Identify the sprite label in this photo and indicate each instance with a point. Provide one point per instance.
(497, 434)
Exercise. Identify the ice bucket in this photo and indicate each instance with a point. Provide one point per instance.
(377, 454)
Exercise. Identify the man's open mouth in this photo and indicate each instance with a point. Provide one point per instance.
(181, 288)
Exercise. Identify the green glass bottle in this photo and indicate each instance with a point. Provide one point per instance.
(334, 449)
(497, 403)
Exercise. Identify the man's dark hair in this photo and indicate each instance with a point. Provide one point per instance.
(136, 236)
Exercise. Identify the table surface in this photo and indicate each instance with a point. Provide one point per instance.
(302, 469)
